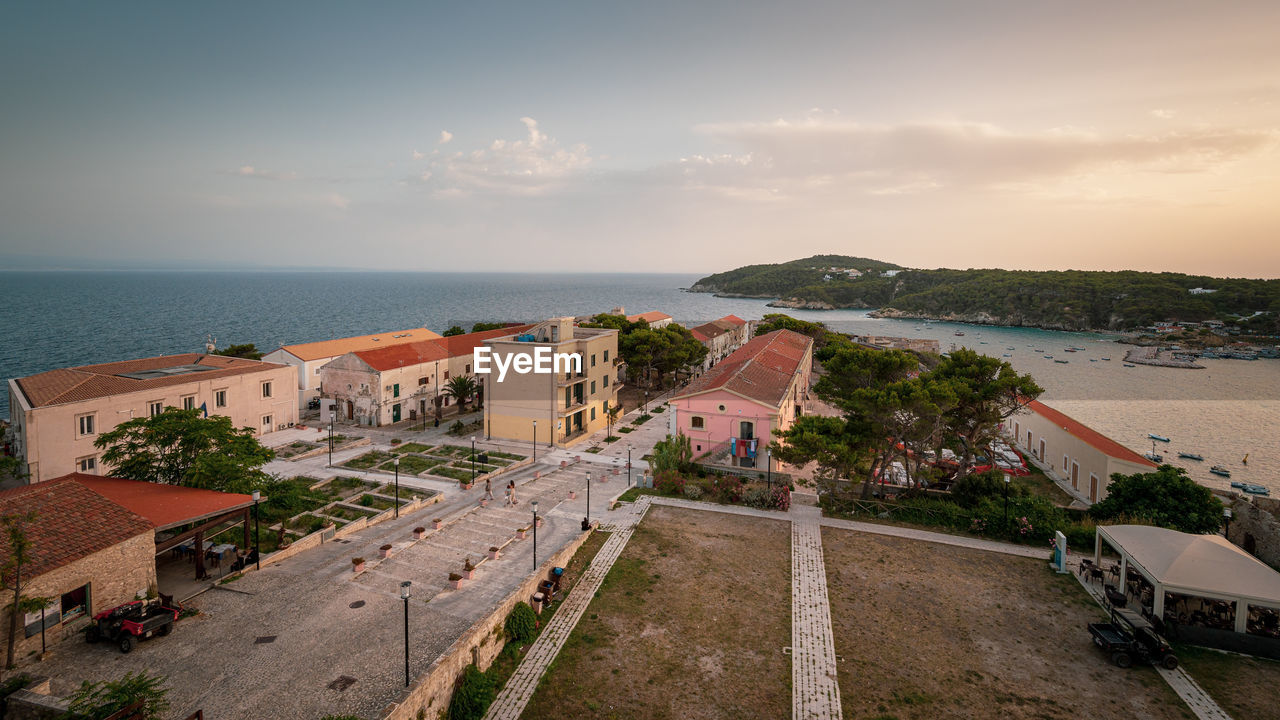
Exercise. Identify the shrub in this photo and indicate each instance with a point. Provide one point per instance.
(971, 490)
(474, 695)
(669, 482)
(693, 492)
(96, 701)
(782, 499)
(729, 489)
(758, 497)
(522, 623)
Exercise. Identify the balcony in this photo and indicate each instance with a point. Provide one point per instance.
(572, 435)
(563, 379)
(576, 404)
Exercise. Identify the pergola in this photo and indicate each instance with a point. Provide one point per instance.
(170, 506)
(1207, 566)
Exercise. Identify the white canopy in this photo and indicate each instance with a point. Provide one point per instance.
(1202, 565)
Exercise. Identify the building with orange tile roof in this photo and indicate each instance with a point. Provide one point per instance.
(309, 357)
(736, 408)
(57, 415)
(1078, 457)
(406, 381)
(721, 337)
(655, 318)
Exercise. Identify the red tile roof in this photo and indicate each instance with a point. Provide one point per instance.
(733, 319)
(1094, 438)
(708, 331)
(88, 382)
(698, 335)
(652, 316)
(164, 506)
(761, 370)
(71, 522)
(341, 346)
(416, 353)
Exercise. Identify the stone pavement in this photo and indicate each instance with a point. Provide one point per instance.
(815, 692)
(515, 695)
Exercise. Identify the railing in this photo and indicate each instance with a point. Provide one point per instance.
(563, 379)
(571, 435)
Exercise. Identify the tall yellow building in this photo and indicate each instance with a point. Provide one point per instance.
(562, 405)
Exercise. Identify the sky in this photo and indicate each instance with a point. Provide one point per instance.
(640, 137)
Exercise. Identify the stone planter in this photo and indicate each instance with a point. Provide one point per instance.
(457, 584)
(357, 565)
(617, 471)
(469, 574)
(484, 502)
(494, 553)
(521, 533)
(564, 464)
(539, 522)
(537, 474)
(385, 551)
(466, 486)
(573, 495)
(437, 523)
(419, 533)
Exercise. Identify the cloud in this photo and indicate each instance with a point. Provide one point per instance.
(533, 165)
(416, 155)
(1163, 114)
(445, 136)
(825, 150)
(250, 171)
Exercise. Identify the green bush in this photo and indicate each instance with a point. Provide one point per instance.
(971, 490)
(728, 489)
(474, 694)
(669, 482)
(758, 497)
(100, 700)
(522, 623)
(693, 492)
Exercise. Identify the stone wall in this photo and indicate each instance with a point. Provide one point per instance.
(481, 644)
(115, 575)
(1254, 527)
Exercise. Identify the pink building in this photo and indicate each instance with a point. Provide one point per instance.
(734, 410)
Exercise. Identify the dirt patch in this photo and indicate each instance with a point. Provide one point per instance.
(690, 623)
(1241, 684)
(929, 631)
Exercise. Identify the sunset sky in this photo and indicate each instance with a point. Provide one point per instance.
(654, 136)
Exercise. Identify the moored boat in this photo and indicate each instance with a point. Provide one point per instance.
(1220, 471)
(1153, 457)
(1154, 436)
(1256, 490)
(1190, 456)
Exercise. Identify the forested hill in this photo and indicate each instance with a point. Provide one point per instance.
(1067, 300)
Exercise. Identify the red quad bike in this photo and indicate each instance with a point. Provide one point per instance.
(131, 622)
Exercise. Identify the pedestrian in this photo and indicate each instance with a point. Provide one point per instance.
(488, 489)
(511, 488)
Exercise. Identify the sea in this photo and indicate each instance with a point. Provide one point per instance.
(51, 320)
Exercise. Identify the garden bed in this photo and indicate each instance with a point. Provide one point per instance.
(451, 473)
(348, 513)
(368, 460)
(308, 523)
(341, 488)
(413, 447)
(294, 449)
(696, 602)
(412, 464)
(481, 468)
(377, 502)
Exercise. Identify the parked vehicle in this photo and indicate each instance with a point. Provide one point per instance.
(132, 622)
(1129, 637)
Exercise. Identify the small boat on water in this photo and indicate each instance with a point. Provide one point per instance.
(1039, 350)
(1068, 350)
(1256, 490)
(1220, 471)
(1107, 359)
(1048, 357)
(1154, 436)
(1153, 457)
(959, 333)
(1238, 484)
(1190, 456)
(1128, 365)
(1061, 362)
(1093, 359)
(1006, 355)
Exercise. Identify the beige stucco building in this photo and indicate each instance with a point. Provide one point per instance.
(57, 415)
(308, 358)
(721, 337)
(1078, 457)
(560, 407)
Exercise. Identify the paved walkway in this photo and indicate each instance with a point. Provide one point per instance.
(515, 695)
(1030, 551)
(815, 693)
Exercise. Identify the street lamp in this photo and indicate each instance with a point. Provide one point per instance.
(588, 497)
(1226, 516)
(628, 464)
(257, 554)
(397, 463)
(332, 412)
(535, 441)
(768, 460)
(534, 505)
(1006, 502)
(404, 595)
(645, 409)
(473, 459)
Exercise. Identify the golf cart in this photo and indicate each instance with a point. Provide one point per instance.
(132, 622)
(1130, 637)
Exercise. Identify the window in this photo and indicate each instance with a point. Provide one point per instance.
(697, 423)
(85, 424)
(317, 371)
(468, 368)
(87, 464)
(395, 390)
(266, 423)
(75, 603)
(422, 381)
(220, 398)
(446, 374)
(1065, 464)
(606, 356)
(593, 387)
(189, 402)
(593, 359)
(721, 408)
(266, 389)
(155, 407)
(593, 413)
(606, 381)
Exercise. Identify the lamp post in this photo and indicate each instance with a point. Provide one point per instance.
(628, 464)
(588, 497)
(257, 554)
(1226, 516)
(397, 463)
(473, 459)
(1006, 503)
(404, 595)
(332, 412)
(645, 409)
(534, 505)
(535, 441)
(768, 473)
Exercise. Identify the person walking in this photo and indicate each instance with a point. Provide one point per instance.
(488, 489)
(511, 490)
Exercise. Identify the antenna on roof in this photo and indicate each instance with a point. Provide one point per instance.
(210, 344)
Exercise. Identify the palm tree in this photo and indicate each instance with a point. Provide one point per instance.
(461, 389)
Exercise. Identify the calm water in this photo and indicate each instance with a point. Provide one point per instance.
(51, 320)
